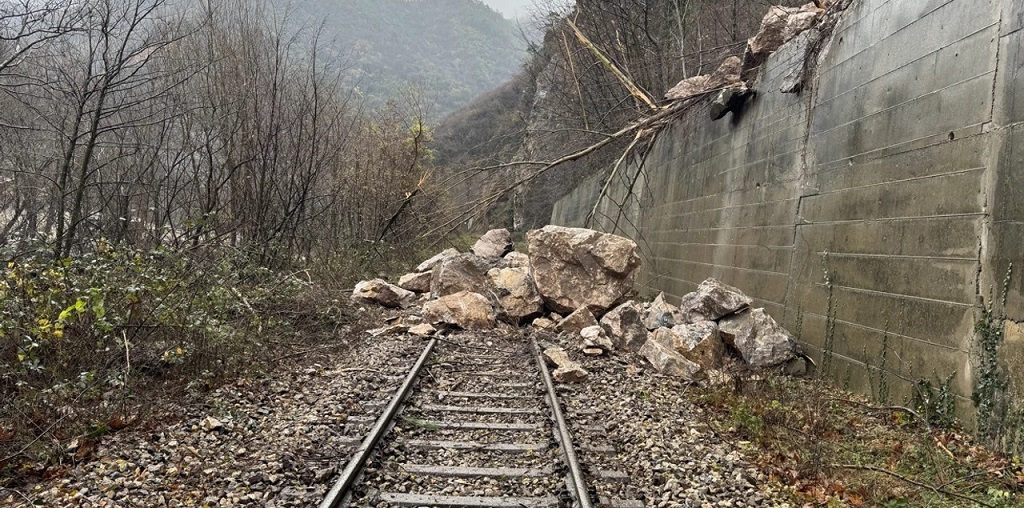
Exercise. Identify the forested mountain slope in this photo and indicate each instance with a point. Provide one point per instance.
(566, 98)
(448, 51)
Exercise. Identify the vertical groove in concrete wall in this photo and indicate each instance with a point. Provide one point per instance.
(899, 173)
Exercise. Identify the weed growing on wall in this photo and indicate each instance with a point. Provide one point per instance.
(936, 403)
(990, 397)
(883, 377)
(830, 320)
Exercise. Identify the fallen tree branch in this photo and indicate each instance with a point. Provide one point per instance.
(934, 488)
(915, 414)
(641, 124)
(611, 177)
(634, 90)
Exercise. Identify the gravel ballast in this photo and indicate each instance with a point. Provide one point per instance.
(280, 441)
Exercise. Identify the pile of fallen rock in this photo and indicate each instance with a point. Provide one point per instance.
(579, 282)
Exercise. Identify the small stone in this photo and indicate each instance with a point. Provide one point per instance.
(568, 371)
(575, 374)
(388, 330)
(594, 337)
(423, 330)
(210, 424)
(543, 323)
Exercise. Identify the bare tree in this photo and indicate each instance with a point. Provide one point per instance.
(26, 24)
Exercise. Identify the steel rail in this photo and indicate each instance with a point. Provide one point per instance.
(343, 486)
(564, 436)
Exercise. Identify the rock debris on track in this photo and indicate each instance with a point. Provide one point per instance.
(279, 441)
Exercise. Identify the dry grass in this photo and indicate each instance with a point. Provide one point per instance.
(832, 448)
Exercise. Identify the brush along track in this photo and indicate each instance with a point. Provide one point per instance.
(474, 425)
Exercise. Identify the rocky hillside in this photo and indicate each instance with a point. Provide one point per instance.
(567, 99)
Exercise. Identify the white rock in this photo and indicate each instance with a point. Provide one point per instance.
(758, 338)
(493, 244)
(712, 301)
(576, 267)
(624, 325)
(429, 264)
(469, 311)
(382, 293)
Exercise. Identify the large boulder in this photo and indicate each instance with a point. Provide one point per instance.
(429, 264)
(624, 325)
(727, 74)
(697, 342)
(712, 301)
(758, 338)
(493, 244)
(574, 267)
(661, 314)
(779, 26)
(689, 87)
(378, 291)
(669, 362)
(466, 310)
(516, 293)
(418, 282)
(577, 321)
(461, 272)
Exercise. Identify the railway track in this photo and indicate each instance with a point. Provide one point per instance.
(471, 425)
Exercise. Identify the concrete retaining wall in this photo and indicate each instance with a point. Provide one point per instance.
(873, 213)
